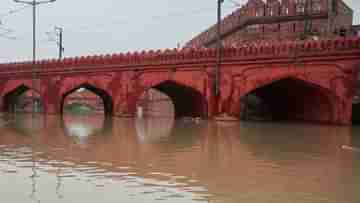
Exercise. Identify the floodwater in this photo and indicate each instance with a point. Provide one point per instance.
(88, 159)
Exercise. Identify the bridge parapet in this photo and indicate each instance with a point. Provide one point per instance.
(248, 52)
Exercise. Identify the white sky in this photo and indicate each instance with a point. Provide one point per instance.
(109, 26)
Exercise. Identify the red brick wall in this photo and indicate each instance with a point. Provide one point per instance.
(329, 66)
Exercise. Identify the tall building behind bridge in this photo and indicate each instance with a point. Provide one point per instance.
(279, 20)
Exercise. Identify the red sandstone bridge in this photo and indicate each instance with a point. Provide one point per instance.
(311, 81)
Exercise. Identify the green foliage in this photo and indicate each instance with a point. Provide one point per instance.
(78, 108)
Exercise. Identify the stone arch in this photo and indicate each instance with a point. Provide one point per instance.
(259, 84)
(187, 100)
(251, 77)
(194, 80)
(103, 94)
(71, 83)
(288, 98)
(13, 84)
(241, 85)
(10, 98)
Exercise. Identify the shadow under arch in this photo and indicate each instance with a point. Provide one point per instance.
(187, 101)
(355, 118)
(153, 130)
(288, 99)
(18, 99)
(105, 97)
(356, 113)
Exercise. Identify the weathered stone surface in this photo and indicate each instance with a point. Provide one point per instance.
(328, 69)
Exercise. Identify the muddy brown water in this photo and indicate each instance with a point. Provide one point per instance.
(90, 159)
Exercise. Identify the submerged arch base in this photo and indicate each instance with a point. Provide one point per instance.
(288, 100)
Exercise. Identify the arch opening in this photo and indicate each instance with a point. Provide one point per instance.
(87, 99)
(356, 102)
(287, 99)
(22, 100)
(356, 111)
(170, 99)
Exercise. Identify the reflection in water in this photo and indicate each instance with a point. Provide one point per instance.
(59, 183)
(177, 161)
(27, 124)
(82, 127)
(153, 129)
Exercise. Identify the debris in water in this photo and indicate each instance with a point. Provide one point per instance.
(350, 148)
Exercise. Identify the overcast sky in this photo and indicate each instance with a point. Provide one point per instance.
(108, 26)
